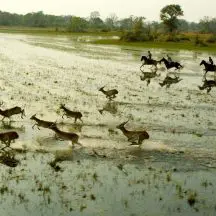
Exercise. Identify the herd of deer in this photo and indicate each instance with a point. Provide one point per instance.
(134, 137)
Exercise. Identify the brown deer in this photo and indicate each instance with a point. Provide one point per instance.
(73, 137)
(7, 137)
(110, 94)
(41, 123)
(12, 111)
(133, 136)
(74, 114)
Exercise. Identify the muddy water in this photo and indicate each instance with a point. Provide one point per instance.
(39, 73)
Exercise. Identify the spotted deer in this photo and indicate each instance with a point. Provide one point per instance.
(73, 137)
(41, 123)
(12, 111)
(135, 137)
(8, 137)
(74, 114)
(110, 94)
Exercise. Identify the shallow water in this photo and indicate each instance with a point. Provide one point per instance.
(39, 73)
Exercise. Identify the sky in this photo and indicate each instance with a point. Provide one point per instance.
(194, 10)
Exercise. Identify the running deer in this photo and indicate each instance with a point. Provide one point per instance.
(73, 137)
(12, 111)
(133, 136)
(7, 137)
(74, 114)
(110, 94)
(41, 123)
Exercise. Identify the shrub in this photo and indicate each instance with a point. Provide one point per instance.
(211, 39)
(199, 42)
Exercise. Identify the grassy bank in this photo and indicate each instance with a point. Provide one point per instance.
(183, 45)
(50, 31)
(163, 45)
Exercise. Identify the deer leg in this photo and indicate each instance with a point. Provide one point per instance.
(140, 141)
(22, 113)
(208, 89)
(33, 126)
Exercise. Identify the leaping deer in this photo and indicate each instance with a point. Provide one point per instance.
(135, 137)
(73, 137)
(41, 123)
(74, 114)
(12, 111)
(7, 137)
(110, 94)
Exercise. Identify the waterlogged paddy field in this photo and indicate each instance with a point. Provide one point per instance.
(172, 173)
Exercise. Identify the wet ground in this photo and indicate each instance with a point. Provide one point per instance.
(173, 172)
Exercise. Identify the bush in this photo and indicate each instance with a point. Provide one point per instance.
(199, 42)
(134, 37)
(168, 38)
(182, 37)
(211, 39)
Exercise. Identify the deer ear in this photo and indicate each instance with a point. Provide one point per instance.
(125, 122)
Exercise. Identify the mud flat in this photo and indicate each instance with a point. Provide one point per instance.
(172, 173)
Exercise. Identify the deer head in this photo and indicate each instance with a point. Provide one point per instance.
(33, 116)
(122, 124)
(101, 89)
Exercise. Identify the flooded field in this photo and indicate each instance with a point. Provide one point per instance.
(171, 173)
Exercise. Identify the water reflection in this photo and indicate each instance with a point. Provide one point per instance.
(148, 76)
(207, 84)
(110, 106)
(169, 81)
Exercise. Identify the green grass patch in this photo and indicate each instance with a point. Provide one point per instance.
(52, 31)
(163, 45)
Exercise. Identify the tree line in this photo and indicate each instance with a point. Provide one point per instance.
(134, 28)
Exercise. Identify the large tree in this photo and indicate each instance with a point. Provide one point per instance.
(77, 24)
(208, 25)
(169, 15)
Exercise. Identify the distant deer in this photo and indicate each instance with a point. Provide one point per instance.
(12, 111)
(7, 137)
(110, 94)
(133, 136)
(74, 114)
(41, 123)
(73, 137)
